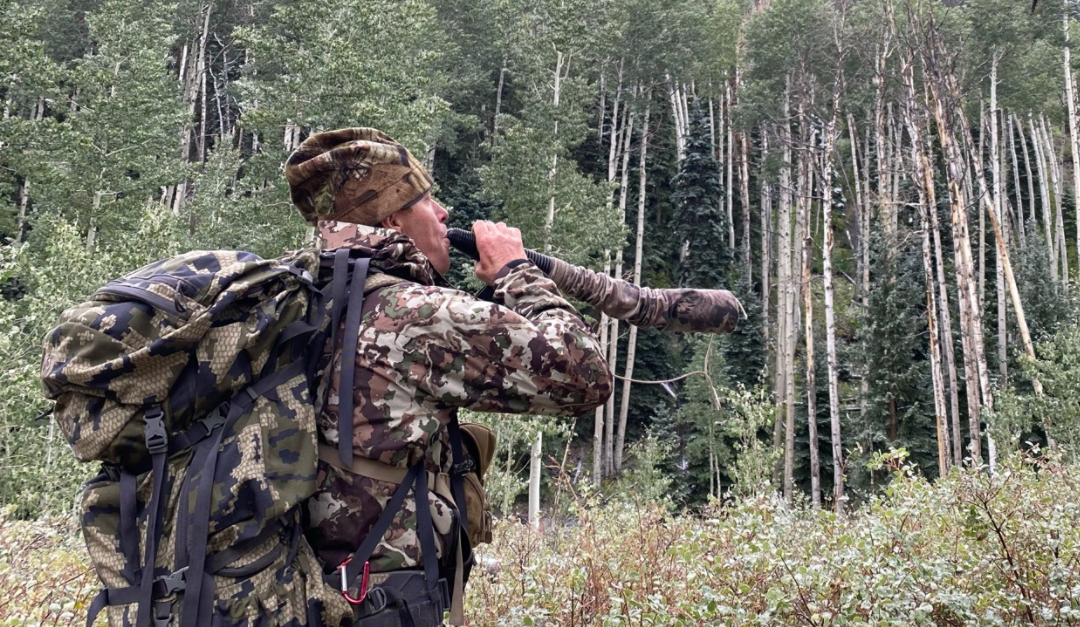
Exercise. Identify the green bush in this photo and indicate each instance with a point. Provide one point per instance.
(969, 549)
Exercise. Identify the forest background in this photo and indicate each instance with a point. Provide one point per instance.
(889, 186)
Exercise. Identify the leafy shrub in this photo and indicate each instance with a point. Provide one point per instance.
(970, 549)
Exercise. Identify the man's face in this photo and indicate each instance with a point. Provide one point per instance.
(425, 223)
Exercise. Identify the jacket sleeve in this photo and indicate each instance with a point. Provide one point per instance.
(528, 352)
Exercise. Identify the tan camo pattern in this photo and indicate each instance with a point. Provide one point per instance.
(99, 368)
(358, 175)
(426, 349)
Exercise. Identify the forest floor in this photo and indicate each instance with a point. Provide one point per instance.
(971, 549)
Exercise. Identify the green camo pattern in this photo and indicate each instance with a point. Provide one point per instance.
(189, 333)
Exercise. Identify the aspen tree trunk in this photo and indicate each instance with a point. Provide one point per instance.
(922, 174)
(806, 193)
(1019, 214)
(971, 333)
(729, 166)
(941, 419)
(744, 190)
(830, 137)
(714, 148)
(766, 243)
(631, 344)
(24, 202)
(1003, 254)
(613, 332)
(970, 200)
(534, 481)
(946, 316)
(864, 236)
(1032, 219)
(785, 418)
(677, 114)
(498, 104)
(200, 143)
(1059, 207)
(1074, 134)
(867, 209)
(1044, 198)
(603, 461)
(885, 207)
(997, 207)
(549, 219)
(802, 217)
(598, 418)
(895, 160)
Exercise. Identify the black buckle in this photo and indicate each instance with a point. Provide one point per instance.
(463, 468)
(215, 419)
(175, 582)
(157, 439)
(301, 274)
(375, 601)
(162, 613)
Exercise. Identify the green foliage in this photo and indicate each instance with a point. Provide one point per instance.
(700, 222)
(720, 427)
(893, 345)
(970, 549)
(327, 65)
(1020, 416)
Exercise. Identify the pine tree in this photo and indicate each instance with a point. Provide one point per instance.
(699, 220)
(899, 406)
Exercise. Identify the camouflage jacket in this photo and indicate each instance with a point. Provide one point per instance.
(424, 350)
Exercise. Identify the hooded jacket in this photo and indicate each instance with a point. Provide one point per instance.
(426, 349)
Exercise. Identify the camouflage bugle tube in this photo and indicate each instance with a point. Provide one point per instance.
(676, 309)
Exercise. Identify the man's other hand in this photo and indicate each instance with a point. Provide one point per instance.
(498, 245)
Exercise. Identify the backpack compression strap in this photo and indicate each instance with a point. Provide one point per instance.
(353, 315)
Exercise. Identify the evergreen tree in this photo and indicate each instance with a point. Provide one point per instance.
(699, 220)
(899, 403)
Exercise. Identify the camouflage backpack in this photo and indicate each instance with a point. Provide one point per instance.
(191, 381)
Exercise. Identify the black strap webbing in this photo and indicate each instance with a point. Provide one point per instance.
(426, 530)
(355, 567)
(457, 475)
(338, 290)
(196, 607)
(353, 317)
(129, 529)
(157, 443)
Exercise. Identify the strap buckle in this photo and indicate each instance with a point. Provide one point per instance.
(175, 582)
(157, 439)
(214, 420)
(464, 468)
(364, 580)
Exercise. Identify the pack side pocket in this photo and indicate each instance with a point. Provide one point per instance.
(477, 509)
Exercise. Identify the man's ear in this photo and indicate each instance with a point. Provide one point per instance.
(392, 221)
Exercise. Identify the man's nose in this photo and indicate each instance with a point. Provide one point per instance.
(443, 214)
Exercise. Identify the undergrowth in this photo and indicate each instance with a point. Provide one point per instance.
(970, 549)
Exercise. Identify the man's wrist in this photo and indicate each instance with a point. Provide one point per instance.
(508, 267)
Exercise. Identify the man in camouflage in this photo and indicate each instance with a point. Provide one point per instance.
(426, 349)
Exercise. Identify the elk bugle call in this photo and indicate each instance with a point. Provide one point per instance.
(677, 309)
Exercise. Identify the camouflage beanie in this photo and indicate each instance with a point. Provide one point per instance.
(356, 175)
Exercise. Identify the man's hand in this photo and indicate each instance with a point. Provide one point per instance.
(498, 245)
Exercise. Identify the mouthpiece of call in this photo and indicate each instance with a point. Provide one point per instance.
(679, 309)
